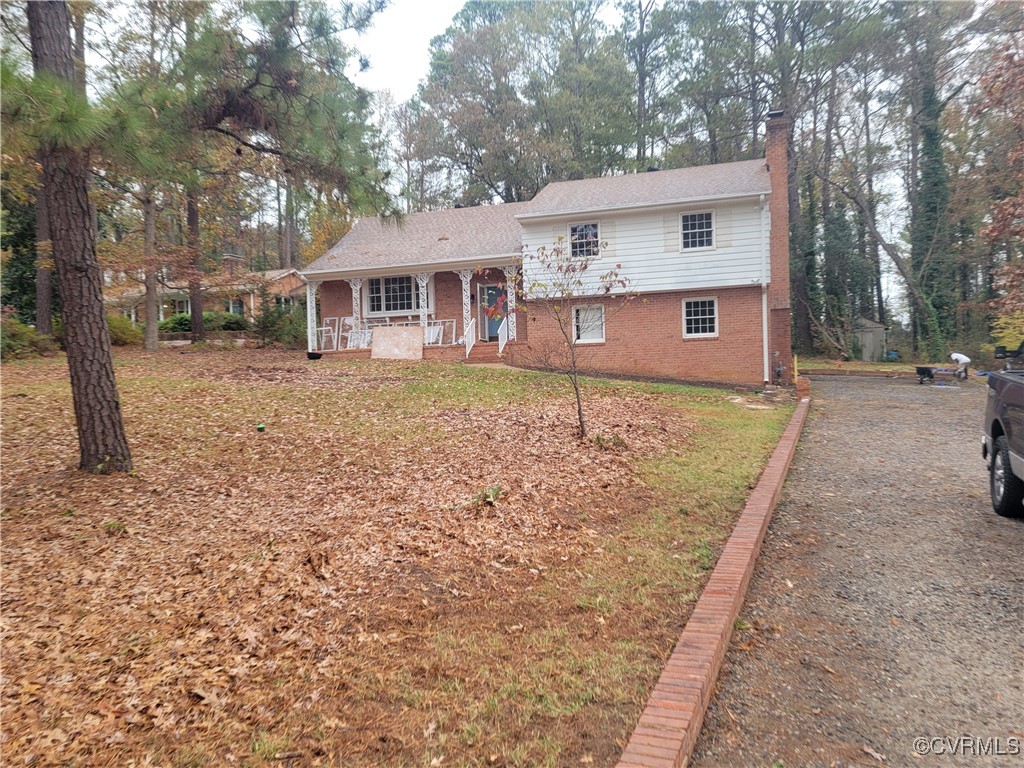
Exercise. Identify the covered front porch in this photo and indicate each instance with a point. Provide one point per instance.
(454, 308)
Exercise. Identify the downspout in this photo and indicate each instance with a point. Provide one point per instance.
(764, 295)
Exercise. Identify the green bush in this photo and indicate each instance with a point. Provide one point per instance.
(292, 331)
(180, 323)
(18, 340)
(212, 321)
(224, 321)
(122, 332)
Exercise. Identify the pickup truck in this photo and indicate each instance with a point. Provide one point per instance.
(1003, 444)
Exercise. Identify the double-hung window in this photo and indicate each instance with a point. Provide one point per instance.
(700, 318)
(588, 324)
(394, 295)
(697, 230)
(584, 240)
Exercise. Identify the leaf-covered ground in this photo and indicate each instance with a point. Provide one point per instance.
(411, 565)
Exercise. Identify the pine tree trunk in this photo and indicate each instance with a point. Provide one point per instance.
(803, 339)
(44, 265)
(103, 446)
(752, 75)
(151, 340)
(195, 279)
(289, 226)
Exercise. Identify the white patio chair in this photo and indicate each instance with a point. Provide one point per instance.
(327, 334)
(432, 334)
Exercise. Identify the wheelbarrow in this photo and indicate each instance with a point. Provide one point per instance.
(923, 373)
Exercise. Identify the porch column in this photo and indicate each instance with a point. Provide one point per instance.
(311, 287)
(422, 278)
(466, 275)
(510, 294)
(357, 302)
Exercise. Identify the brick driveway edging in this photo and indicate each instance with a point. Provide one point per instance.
(667, 731)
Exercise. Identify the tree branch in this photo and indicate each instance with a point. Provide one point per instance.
(261, 148)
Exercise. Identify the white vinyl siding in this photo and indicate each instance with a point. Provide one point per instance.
(588, 324)
(700, 318)
(647, 245)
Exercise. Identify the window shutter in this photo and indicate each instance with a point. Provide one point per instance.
(607, 235)
(670, 226)
(723, 227)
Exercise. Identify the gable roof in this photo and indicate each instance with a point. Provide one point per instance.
(277, 274)
(702, 182)
(452, 236)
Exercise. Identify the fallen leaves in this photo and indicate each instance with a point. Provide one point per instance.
(242, 582)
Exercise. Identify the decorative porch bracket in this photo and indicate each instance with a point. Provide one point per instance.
(422, 279)
(510, 293)
(357, 302)
(466, 275)
(311, 287)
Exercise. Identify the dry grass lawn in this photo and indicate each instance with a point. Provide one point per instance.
(413, 565)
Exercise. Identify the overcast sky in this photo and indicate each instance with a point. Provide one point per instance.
(397, 44)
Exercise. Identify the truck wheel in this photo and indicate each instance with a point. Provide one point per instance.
(1007, 489)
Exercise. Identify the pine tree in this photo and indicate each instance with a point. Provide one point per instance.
(103, 445)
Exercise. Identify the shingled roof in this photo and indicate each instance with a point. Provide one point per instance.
(456, 235)
(656, 188)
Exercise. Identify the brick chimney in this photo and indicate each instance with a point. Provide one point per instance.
(778, 132)
(232, 264)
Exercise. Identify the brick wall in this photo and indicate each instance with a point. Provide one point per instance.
(336, 298)
(645, 338)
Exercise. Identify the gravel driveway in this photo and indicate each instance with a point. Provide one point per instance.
(888, 603)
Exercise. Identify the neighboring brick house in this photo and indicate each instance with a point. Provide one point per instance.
(705, 248)
(234, 290)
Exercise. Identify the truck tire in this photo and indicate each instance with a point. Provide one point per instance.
(1007, 489)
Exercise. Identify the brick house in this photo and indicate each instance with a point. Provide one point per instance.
(706, 249)
(233, 290)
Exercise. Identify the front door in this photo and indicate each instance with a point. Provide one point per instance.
(491, 296)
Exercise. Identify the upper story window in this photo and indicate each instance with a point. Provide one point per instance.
(394, 295)
(697, 230)
(583, 240)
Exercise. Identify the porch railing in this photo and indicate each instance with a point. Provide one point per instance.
(470, 336)
(436, 333)
(335, 335)
(502, 335)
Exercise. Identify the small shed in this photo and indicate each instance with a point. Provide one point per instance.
(870, 339)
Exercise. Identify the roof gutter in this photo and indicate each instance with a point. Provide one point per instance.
(638, 208)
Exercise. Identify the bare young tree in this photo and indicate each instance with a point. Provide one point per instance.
(571, 302)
